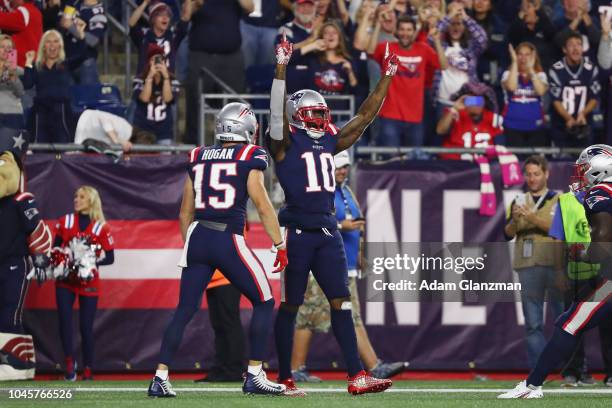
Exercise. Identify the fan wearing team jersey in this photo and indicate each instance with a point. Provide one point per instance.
(155, 90)
(575, 88)
(470, 122)
(303, 142)
(83, 31)
(221, 179)
(86, 226)
(160, 30)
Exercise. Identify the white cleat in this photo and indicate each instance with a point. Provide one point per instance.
(522, 390)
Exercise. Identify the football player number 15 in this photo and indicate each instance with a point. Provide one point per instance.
(327, 170)
(228, 191)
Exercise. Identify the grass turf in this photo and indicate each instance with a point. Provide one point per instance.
(221, 398)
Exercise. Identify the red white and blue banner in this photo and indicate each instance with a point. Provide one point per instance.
(422, 201)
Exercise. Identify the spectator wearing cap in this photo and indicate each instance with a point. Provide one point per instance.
(471, 121)
(155, 91)
(534, 26)
(214, 43)
(52, 120)
(11, 88)
(160, 30)
(83, 25)
(259, 30)
(23, 22)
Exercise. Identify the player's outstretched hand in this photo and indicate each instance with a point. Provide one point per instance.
(390, 63)
(284, 49)
(281, 260)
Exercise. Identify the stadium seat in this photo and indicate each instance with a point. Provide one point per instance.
(104, 97)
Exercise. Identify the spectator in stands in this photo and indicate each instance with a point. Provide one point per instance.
(576, 18)
(52, 120)
(575, 88)
(11, 88)
(221, 54)
(154, 91)
(259, 30)
(529, 218)
(401, 123)
(333, 10)
(85, 223)
(464, 41)
(299, 30)
(429, 16)
(384, 27)
(106, 128)
(495, 56)
(604, 52)
(23, 22)
(50, 10)
(83, 25)
(314, 315)
(524, 85)
(332, 73)
(534, 26)
(160, 30)
(472, 121)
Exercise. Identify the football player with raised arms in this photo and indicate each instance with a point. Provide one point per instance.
(221, 179)
(594, 175)
(303, 141)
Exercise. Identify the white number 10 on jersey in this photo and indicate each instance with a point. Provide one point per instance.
(327, 170)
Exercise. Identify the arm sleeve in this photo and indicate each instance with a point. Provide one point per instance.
(29, 77)
(478, 40)
(604, 53)
(14, 21)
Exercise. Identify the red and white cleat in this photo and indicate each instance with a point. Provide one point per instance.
(363, 383)
(292, 390)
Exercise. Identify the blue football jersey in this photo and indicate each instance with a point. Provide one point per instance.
(95, 18)
(219, 176)
(597, 200)
(573, 87)
(156, 116)
(306, 175)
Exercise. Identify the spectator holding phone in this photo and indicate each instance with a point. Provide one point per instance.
(524, 85)
(11, 88)
(22, 20)
(83, 24)
(155, 90)
(52, 119)
(471, 121)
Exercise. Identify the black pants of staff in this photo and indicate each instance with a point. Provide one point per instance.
(224, 312)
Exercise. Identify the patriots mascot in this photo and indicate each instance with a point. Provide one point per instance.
(25, 241)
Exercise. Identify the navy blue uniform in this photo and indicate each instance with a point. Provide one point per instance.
(156, 116)
(574, 87)
(595, 310)
(80, 50)
(215, 241)
(306, 174)
(18, 219)
(169, 42)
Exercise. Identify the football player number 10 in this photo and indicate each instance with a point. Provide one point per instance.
(327, 170)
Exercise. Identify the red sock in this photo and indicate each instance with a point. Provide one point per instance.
(69, 365)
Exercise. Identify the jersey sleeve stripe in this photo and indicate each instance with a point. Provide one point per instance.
(604, 186)
(246, 152)
(24, 196)
(194, 154)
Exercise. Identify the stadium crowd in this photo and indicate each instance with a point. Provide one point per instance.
(540, 65)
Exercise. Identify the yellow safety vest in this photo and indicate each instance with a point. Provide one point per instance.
(577, 230)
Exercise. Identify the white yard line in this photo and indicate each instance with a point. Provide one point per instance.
(342, 390)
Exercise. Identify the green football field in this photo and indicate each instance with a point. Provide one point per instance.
(330, 394)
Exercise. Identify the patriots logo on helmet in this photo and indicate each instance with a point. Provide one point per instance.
(296, 96)
(591, 201)
(594, 151)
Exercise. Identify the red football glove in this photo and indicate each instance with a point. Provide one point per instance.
(390, 63)
(281, 260)
(284, 49)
